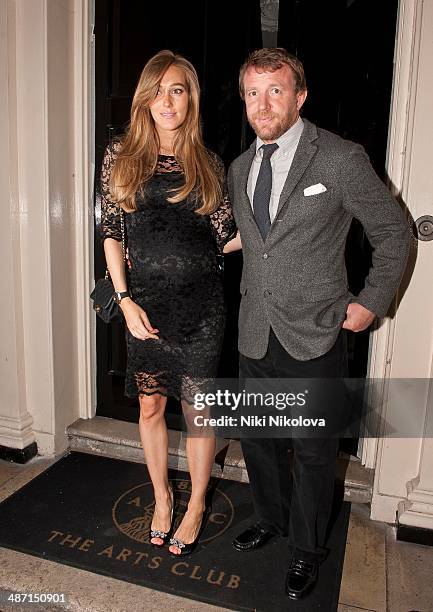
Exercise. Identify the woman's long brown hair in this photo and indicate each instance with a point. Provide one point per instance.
(138, 155)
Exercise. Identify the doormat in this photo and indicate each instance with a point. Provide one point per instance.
(94, 513)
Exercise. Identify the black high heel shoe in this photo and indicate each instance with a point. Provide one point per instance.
(163, 535)
(187, 549)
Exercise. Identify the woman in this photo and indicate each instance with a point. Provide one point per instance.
(176, 215)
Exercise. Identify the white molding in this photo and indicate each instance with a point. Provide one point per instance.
(33, 196)
(15, 420)
(403, 483)
(9, 421)
(378, 372)
(398, 159)
(385, 508)
(83, 66)
(16, 432)
(417, 509)
(49, 292)
(48, 445)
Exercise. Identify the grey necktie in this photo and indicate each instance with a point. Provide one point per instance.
(262, 192)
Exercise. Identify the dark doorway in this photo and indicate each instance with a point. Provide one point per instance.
(215, 37)
(347, 47)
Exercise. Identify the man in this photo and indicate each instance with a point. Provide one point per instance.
(294, 194)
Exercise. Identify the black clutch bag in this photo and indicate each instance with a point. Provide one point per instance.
(103, 302)
(103, 293)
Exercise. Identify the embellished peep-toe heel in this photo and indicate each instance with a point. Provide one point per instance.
(187, 549)
(163, 535)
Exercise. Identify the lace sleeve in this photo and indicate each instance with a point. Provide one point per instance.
(110, 211)
(222, 220)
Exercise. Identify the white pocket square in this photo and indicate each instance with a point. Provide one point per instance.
(314, 189)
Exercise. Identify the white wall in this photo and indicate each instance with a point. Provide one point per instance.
(38, 311)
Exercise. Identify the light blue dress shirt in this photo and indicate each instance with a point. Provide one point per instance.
(281, 161)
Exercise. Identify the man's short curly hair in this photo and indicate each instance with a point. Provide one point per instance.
(270, 59)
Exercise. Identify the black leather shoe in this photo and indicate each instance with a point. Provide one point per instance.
(301, 578)
(252, 538)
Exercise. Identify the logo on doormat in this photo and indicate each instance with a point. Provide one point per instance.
(133, 511)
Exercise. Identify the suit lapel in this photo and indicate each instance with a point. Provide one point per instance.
(304, 154)
(243, 185)
(243, 178)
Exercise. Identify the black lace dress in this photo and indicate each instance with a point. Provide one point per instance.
(175, 278)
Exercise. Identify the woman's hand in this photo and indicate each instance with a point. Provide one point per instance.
(137, 321)
(234, 244)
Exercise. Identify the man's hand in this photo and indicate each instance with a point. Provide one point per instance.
(234, 244)
(128, 261)
(358, 318)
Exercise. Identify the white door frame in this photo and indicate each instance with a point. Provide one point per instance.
(397, 169)
(84, 111)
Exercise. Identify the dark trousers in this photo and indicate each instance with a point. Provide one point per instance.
(296, 503)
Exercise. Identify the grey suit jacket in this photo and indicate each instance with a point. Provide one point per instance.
(295, 281)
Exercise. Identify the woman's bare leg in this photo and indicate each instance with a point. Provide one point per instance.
(154, 439)
(200, 453)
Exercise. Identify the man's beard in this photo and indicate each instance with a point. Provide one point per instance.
(270, 132)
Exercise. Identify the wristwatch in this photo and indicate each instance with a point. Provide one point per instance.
(119, 295)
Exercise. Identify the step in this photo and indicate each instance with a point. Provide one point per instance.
(120, 440)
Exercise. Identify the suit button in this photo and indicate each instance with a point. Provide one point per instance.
(265, 255)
